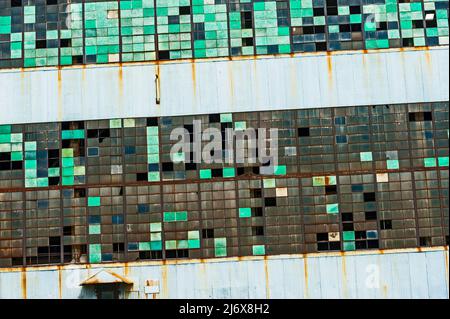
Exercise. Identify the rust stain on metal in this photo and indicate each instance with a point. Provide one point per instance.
(266, 274)
(60, 104)
(194, 77)
(306, 276)
(446, 263)
(385, 291)
(329, 69)
(126, 269)
(344, 275)
(60, 282)
(164, 281)
(23, 282)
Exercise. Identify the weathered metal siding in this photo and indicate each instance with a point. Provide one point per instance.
(215, 86)
(389, 274)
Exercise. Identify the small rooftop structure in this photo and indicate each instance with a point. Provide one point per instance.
(106, 277)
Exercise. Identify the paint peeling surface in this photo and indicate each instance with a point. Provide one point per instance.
(266, 83)
(393, 274)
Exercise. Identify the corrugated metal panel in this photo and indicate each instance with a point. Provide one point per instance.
(388, 274)
(201, 87)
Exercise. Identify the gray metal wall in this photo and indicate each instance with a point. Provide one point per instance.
(407, 273)
(202, 87)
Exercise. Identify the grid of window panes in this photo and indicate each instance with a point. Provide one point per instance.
(36, 33)
(346, 179)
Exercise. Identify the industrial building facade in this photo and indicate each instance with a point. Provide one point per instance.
(91, 92)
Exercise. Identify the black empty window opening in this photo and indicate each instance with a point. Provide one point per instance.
(361, 244)
(17, 261)
(372, 215)
(53, 181)
(214, 118)
(246, 20)
(119, 247)
(163, 55)
(185, 10)
(270, 201)
(348, 226)
(167, 167)
(190, 166)
(335, 245)
(385, 224)
(256, 193)
(425, 241)
(16, 3)
(179, 253)
(303, 131)
(258, 211)
(247, 42)
(216, 172)
(355, 9)
(369, 197)
(322, 237)
(152, 121)
(347, 217)
(207, 233)
(65, 43)
(152, 255)
(68, 230)
(420, 116)
(41, 44)
(330, 189)
(79, 193)
(373, 244)
(141, 177)
(258, 231)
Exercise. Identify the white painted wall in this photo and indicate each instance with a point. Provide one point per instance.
(369, 274)
(207, 86)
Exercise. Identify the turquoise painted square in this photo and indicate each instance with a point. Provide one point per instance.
(392, 164)
(228, 172)
(258, 250)
(169, 216)
(332, 208)
(93, 201)
(366, 156)
(443, 161)
(349, 235)
(429, 162)
(95, 230)
(245, 212)
(205, 173)
(349, 246)
(220, 242)
(280, 170)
